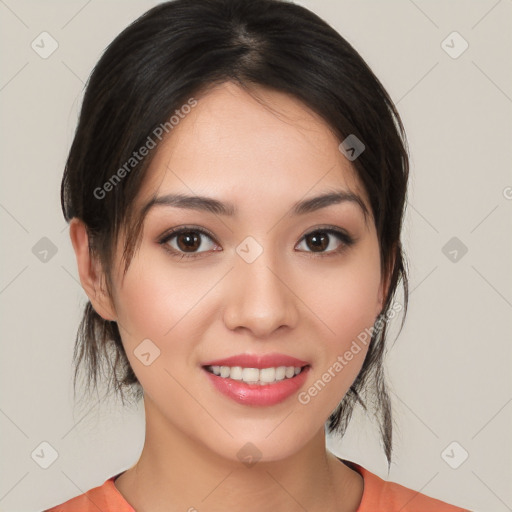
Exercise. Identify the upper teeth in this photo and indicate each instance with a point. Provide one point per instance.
(256, 375)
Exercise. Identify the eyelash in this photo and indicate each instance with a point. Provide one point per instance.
(345, 239)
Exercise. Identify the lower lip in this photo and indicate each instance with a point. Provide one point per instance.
(254, 394)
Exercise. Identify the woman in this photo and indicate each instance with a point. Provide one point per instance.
(235, 191)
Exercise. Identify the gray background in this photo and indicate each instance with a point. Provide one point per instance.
(449, 369)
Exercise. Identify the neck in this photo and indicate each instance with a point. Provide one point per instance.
(174, 472)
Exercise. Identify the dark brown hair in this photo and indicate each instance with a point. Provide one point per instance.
(178, 50)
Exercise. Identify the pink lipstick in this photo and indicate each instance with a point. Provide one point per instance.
(257, 380)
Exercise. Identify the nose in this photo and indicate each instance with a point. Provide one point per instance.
(261, 298)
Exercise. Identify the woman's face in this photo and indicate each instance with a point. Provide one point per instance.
(261, 280)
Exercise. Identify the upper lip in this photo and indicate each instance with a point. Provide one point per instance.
(258, 361)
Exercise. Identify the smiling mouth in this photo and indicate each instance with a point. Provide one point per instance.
(256, 376)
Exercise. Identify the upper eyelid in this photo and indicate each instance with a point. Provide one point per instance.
(333, 230)
(173, 232)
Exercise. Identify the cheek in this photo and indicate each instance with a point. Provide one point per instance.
(170, 307)
(156, 301)
(348, 300)
(347, 306)
(163, 307)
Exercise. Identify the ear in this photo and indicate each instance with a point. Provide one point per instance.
(90, 271)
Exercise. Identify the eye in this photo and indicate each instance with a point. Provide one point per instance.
(185, 242)
(321, 240)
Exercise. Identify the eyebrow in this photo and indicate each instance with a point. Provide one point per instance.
(217, 207)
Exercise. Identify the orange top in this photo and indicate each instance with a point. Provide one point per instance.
(378, 496)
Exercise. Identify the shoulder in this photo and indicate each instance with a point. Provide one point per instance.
(379, 494)
(105, 497)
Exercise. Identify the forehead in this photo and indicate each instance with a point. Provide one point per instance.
(265, 144)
